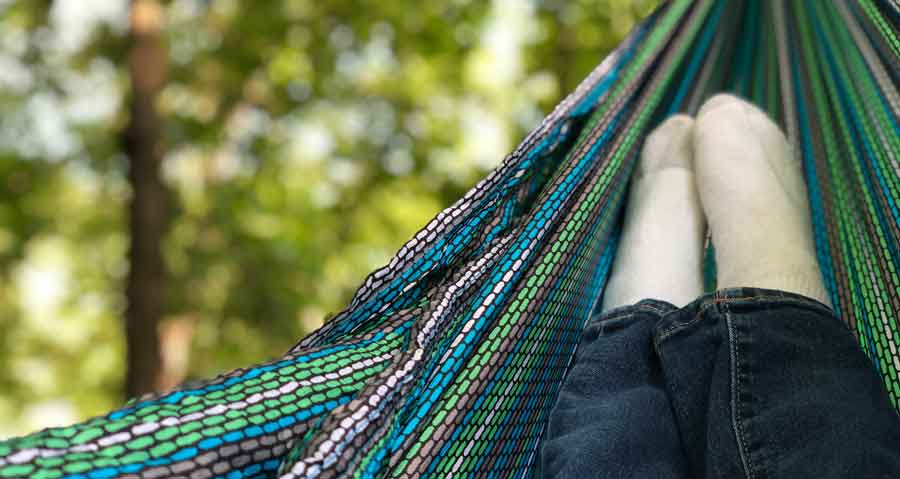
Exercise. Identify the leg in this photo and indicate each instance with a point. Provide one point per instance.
(613, 418)
(661, 252)
(768, 383)
(754, 197)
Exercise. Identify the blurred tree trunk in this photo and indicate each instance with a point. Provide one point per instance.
(142, 139)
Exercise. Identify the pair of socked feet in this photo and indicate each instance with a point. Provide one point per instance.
(730, 168)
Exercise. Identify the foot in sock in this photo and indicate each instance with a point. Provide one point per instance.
(754, 197)
(660, 253)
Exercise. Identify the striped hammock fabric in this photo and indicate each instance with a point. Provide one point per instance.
(448, 359)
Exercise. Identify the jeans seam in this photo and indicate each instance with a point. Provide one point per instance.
(674, 328)
(652, 308)
(624, 315)
(629, 312)
(780, 299)
(736, 410)
(673, 385)
(647, 307)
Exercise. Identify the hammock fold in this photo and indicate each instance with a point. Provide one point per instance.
(448, 359)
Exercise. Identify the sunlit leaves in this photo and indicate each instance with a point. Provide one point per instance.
(306, 141)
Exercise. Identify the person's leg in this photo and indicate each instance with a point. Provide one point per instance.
(754, 197)
(613, 418)
(660, 255)
(766, 383)
(769, 384)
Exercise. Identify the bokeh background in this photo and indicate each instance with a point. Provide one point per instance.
(190, 186)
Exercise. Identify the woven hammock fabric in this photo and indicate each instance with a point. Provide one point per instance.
(448, 360)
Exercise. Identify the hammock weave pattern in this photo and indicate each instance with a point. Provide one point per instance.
(448, 360)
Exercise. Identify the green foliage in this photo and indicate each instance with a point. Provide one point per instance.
(306, 141)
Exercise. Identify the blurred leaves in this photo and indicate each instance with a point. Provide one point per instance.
(307, 140)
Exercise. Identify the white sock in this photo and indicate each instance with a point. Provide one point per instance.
(661, 250)
(754, 196)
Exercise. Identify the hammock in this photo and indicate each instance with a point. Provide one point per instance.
(448, 359)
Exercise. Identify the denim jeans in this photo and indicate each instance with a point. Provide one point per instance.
(741, 383)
